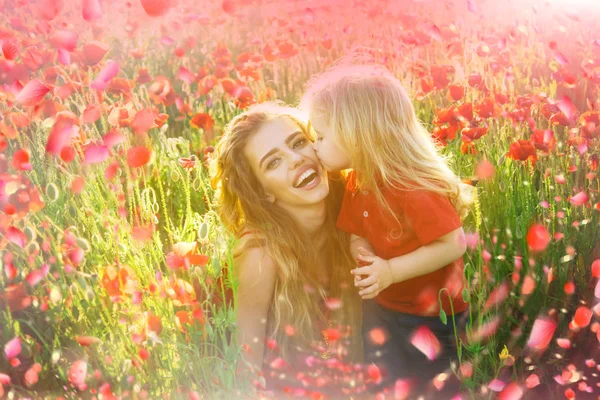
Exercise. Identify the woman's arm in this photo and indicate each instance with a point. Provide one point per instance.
(256, 275)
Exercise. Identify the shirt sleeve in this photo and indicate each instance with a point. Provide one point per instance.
(350, 217)
(430, 215)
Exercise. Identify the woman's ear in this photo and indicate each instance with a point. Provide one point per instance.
(270, 198)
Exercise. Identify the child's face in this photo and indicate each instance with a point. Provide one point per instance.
(328, 150)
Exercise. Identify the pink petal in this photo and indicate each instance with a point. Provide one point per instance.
(563, 343)
(110, 70)
(59, 138)
(16, 236)
(496, 385)
(113, 138)
(91, 113)
(91, 10)
(4, 379)
(32, 93)
(541, 333)
(597, 290)
(62, 39)
(185, 75)
(36, 276)
(64, 57)
(424, 340)
(566, 106)
(579, 199)
(532, 381)
(401, 389)
(497, 296)
(95, 154)
(12, 348)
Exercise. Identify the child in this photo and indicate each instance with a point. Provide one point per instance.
(402, 206)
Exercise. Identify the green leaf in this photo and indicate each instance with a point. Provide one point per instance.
(465, 295)
(443, 317)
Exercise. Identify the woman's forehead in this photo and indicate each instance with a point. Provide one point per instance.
(272, 134)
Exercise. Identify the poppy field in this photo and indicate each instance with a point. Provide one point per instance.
(114, 279)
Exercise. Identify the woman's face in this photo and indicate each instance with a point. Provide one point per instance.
(284, 161)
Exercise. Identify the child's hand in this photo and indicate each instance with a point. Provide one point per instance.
(376, 274)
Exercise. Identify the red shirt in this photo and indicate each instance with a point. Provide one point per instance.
(424, 216)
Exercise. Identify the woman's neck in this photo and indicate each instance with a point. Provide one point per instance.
(311, 218)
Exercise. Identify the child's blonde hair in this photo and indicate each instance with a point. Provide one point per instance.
(375, 123)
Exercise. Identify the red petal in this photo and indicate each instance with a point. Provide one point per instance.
(87, 340)
(138, 156)
(94, 51)
(20, 160)
(538, 237)
(156, 8)
(10, 48)
(582, 317)
(143, 121)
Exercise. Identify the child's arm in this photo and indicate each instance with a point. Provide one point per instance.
(356, 242)
(382, 273)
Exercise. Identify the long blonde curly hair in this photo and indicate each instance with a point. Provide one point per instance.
(375, 123)
(243, 206)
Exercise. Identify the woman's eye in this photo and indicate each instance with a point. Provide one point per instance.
(299, 143)
(272, 163)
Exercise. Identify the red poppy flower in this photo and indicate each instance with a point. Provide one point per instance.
(522, 150)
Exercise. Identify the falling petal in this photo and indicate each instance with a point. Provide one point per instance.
(156, 8)
(538, 238)
(579, 199)
(138, 156)
(65, 40)
(12, 348)
(498, 295)
(583, 317)
(541, 333)
(512, 391)
(95, 154)
(108, 72)
(143, 121)
(93, 52)
(16, 236)
(496, 385)
(87, 340)
(32, 93)
(91, 10)
(424, 340)
(532, 381)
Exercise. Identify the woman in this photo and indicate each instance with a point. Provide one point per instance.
(292, 264)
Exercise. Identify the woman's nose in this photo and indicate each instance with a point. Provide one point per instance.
(296, 159)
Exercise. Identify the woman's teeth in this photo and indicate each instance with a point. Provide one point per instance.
(302, 179)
